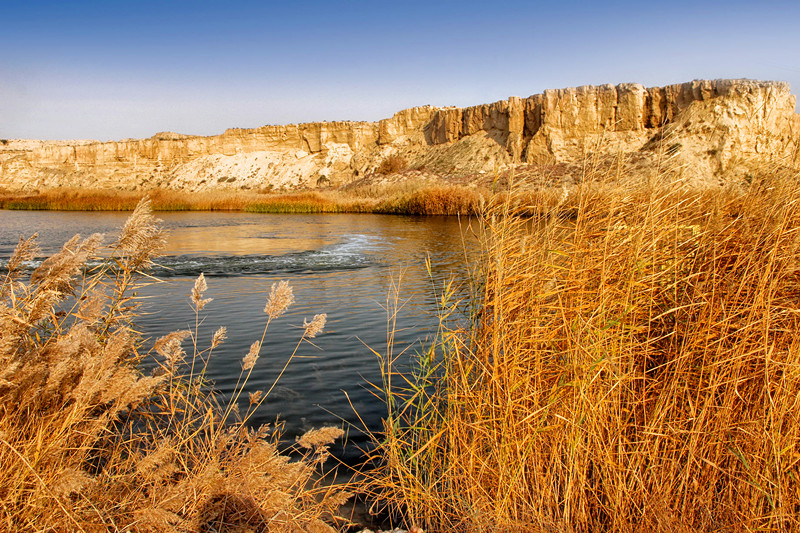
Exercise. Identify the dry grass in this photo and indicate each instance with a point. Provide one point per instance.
(89, 443)
(417, 200)
(434, 200)
(392, 164)
(171, 200)
(310, 202)
(632, 367)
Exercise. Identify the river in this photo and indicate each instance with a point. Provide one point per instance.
(338, 264)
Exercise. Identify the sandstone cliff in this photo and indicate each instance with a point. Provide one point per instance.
(709, 127)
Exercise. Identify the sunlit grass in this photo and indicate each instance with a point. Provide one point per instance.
(426, 200)
(88, 442)
(633, 365)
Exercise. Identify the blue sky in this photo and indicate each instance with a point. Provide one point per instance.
(112, 70)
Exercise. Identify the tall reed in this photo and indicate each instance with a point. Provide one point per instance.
(415, 199)
(90, 443)
(634, 366)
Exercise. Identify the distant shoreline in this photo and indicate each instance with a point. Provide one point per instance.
(432, 200)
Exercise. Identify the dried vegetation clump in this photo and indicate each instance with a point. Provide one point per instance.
(392, 164)
(634, 365)
(90, 443)
(67, 199)
(416, 199)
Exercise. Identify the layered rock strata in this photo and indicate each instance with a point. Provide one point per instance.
(709, 127)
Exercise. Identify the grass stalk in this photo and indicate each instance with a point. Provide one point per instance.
(90, 443)
(633, 365)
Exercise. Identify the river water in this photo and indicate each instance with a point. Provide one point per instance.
(341, 265)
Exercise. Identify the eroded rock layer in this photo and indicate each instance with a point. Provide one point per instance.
(709, 127)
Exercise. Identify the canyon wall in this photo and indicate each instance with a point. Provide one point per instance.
(709, 127)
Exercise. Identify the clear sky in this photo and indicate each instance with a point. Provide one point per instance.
(111, 69)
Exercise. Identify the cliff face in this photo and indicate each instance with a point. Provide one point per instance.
(709, 126)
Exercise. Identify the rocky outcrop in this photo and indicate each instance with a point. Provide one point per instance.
(709, 127)
(725, 119)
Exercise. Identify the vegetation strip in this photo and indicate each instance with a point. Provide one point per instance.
(634, 367)
(431, 200)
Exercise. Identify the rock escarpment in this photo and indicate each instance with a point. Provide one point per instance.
(708, 127)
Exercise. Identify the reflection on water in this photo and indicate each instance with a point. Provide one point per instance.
(342, 265)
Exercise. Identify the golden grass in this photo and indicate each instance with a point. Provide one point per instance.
(436, 200)
(89, 443)
(392, 164)
(163, 200)
(416, 200)
(632, 367)
(310, 202)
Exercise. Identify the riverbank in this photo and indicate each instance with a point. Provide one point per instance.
(408, 199)
(632, 362)
(90, 441)
(632, 367)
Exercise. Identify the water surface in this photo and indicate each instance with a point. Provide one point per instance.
(341, 265)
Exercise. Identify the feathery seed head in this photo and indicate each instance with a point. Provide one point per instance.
(57, 273)
(219, 337)
(250, 359)
(91, 309)
(25, 251)
(314, 327)
(199, 288)
(142, 237)
(70, 481)
(255, 397)
(280, 298)
(169, 346)
(315, 438)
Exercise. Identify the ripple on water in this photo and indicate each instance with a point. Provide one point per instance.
(342, 265)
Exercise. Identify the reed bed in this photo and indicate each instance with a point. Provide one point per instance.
(434, 200)
(310, 202)
(417, 200)
(88, 442)
(633, 365)
(67, 199)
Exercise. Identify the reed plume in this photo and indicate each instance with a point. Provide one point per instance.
(88, 442)
(633, 365)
